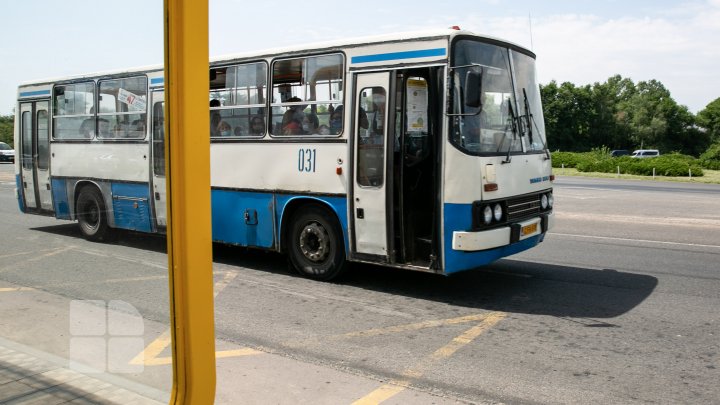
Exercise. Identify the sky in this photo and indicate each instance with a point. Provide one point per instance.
(579, 41)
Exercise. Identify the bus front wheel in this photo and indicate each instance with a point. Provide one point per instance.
(92, 215)
(315, 244)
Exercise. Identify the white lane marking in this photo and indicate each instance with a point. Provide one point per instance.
(660, 242)
(637, 219)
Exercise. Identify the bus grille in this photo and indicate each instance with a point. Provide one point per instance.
(522, 207)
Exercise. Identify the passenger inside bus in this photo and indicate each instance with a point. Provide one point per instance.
(224, 129)
(87, 128)
(257, 126)
(103, 128)
(293, 118)
(310, 124)
(336, 120)
(214, 117)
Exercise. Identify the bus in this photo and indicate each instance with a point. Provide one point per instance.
(423, 151)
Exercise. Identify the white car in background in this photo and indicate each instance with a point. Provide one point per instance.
(645, 153)
(7, 154)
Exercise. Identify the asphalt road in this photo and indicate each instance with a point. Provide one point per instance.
(618, 305)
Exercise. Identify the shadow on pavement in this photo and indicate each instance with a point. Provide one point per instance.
(508, 285)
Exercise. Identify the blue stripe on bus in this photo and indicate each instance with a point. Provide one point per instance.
(157, 80)
(35, 93)
(18, 185)
(60, 198)
(459, 217)
(379, 57)
(131, 206)
(228, 218)
(230, 224)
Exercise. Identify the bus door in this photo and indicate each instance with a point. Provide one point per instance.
(370, 177)
(157, 143)
(35, 156)
(416, 200)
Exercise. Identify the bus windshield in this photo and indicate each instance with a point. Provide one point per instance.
(509, 118)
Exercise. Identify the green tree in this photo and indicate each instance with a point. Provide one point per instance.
(608, 125)
(709, 119)
(565, 108)
(6, 129)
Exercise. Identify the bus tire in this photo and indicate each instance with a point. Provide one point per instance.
(92, 215)
(315, 244)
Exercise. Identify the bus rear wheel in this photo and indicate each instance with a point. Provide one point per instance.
(92, 215)
(315, 245)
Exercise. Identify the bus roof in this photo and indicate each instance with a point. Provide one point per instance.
(293, 49)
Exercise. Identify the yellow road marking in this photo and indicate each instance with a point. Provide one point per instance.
(11, 289)
(150, 356)
(17, 254)
(381, 394)
(246, 351)
(412, 326)
(51, 252)
(220, 285)
(395, 387)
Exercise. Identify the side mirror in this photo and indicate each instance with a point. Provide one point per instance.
(473, 89)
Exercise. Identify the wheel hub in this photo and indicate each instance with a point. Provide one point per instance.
(314, 242)
(91, 214)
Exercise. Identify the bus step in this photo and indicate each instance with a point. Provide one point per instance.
(423, 249)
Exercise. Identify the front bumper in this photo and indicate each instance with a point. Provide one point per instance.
(494, 238)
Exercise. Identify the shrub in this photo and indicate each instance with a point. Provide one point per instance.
(711, 158)
(673, 164)
(566, 159)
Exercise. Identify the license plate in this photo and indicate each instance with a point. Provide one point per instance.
(528, 229)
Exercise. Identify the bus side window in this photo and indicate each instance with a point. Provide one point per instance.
(159, 139)
(122, 106)
(371, 140)
(237, 99)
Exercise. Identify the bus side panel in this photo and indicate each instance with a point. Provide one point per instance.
(459, 217)
(60, 199)
(337, 204)
(131, 208)
(242, 218)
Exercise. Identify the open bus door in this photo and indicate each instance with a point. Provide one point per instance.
(35, 156)
(370, 186)
(157, 143)
(395, 199)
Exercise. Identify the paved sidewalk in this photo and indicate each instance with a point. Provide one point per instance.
(28, 376)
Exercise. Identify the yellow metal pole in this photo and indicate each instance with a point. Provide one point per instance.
(189, 224)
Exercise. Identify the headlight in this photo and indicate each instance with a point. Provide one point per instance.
(487, 215)
(551, 200)
(497, 212)
(544, 202)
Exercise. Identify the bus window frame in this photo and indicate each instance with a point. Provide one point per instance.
(54, 116)
(235, 106)
(99, 115)
(338, 102)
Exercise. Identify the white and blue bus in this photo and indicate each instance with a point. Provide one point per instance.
(424, 151)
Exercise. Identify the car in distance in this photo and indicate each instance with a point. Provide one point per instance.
(645, 153)
(619, 152)
(7, 154)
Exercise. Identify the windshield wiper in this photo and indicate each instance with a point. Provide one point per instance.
(513, 125)
(528, 116)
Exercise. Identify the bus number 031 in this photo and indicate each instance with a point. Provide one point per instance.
(306, 160)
